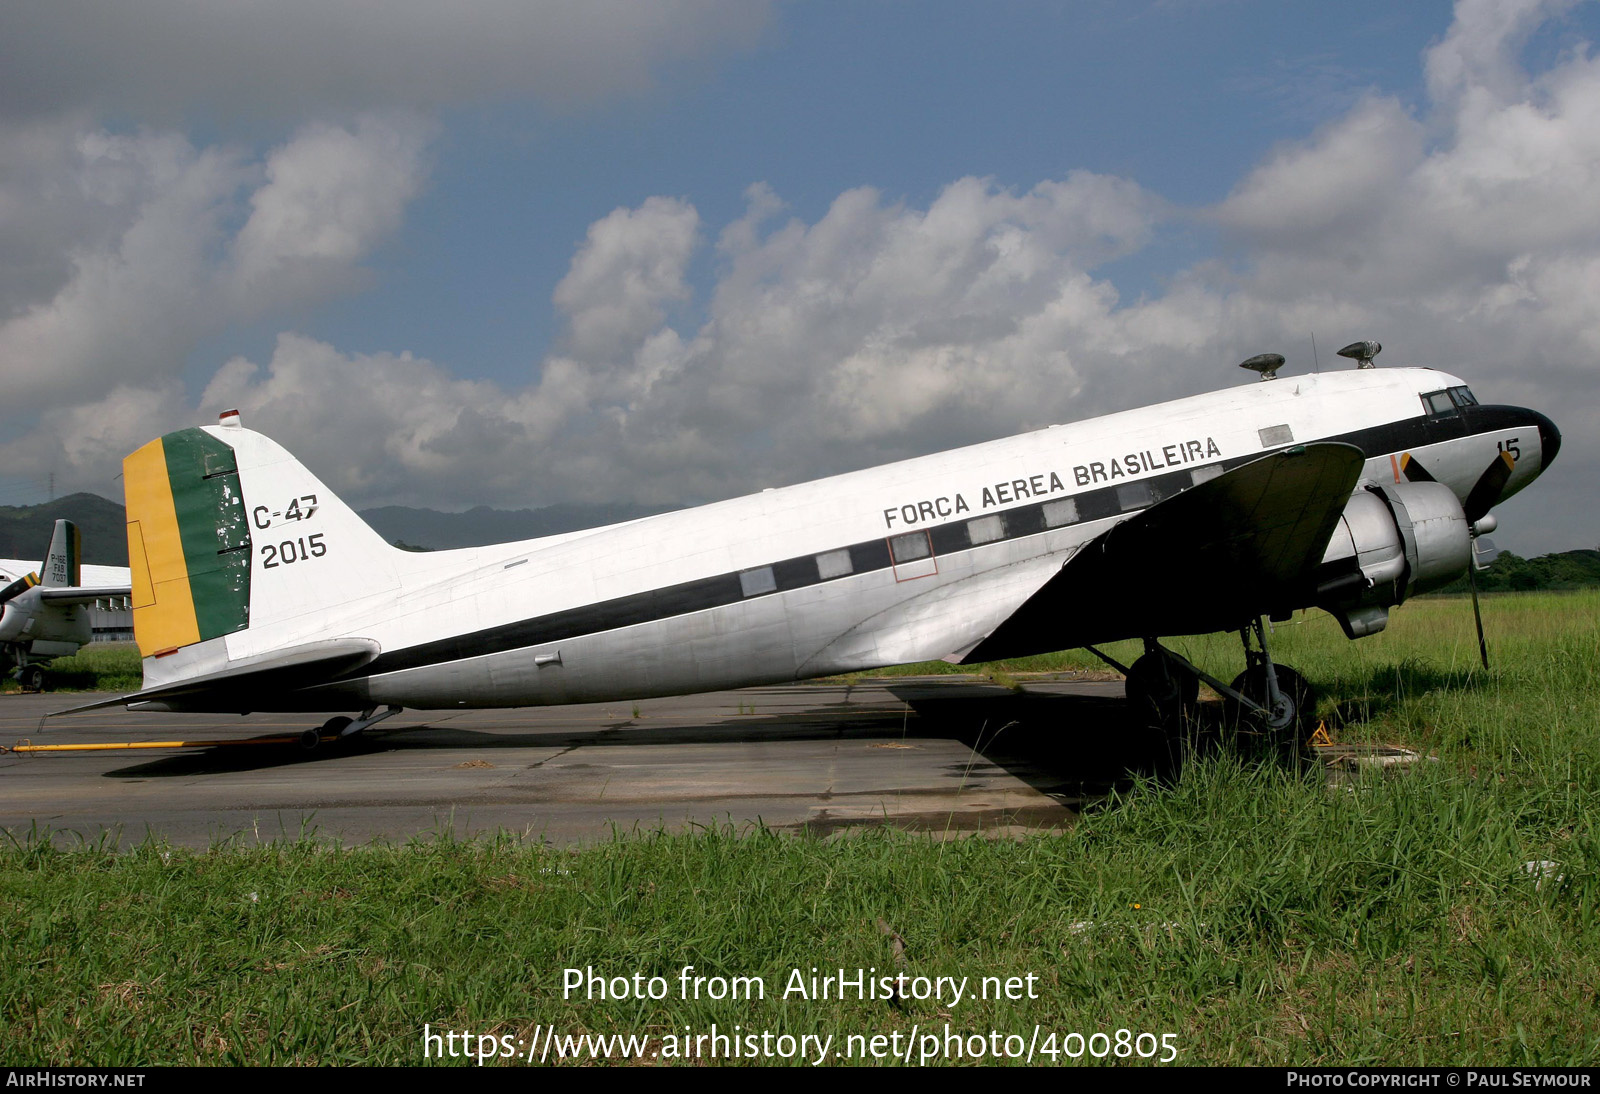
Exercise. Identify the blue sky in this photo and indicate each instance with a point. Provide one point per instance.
(901, 96)
(513, 254)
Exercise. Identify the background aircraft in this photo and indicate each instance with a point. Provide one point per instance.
(45, 607)
(255, 588)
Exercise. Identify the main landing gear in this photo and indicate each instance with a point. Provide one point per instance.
(1268, 700)
(341, 728)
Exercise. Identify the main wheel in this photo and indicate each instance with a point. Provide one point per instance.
(32, 678)
(1159, 692)
(1291, 720)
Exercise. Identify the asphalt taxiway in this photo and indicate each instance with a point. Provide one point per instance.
(934, 754)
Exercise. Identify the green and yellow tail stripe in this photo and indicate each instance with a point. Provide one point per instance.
(188, 542)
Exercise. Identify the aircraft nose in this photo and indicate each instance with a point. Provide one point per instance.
(1549, 439)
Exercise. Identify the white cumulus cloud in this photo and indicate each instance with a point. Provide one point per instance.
(154, 260)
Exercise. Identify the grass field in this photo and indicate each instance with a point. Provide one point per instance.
(1258, 915)
(100, 666)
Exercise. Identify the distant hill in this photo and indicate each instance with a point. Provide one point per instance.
(1513, 573)
(432, 530)
(25, 529)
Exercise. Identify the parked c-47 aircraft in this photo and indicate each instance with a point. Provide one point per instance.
(255, 588)
(44, 614)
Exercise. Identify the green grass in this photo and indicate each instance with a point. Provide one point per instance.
(1258, 914)
(99, 666)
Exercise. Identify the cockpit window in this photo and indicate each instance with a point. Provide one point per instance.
(1463, 396)
(1438, 403)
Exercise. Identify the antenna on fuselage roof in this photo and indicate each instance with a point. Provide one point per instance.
(1316, 365)
(1267, 364)
(1362, 352)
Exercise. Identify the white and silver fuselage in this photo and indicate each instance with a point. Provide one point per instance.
(909, 561)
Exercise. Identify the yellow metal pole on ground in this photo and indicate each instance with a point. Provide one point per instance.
(25, 745)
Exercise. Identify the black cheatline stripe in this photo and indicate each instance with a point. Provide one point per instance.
(800, 572)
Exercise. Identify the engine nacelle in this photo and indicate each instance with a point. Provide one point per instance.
(1391, 543)
(27, 619)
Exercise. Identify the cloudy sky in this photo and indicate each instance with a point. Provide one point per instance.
(510, 253)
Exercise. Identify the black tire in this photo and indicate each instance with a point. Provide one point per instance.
(1291, 724)
(31, 678)
(1160, 693)
(324, 735)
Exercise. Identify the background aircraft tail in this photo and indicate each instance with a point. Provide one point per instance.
(63, 565)
(231, 538)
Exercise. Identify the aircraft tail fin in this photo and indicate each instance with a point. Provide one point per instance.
(63, 565)
(228, 533)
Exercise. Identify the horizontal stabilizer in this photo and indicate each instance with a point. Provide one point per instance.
(82, 594)
(1245, 544)
(278, 671)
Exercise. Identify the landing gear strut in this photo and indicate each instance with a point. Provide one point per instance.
(1159, 690)
(338, 728)
(1277, 696)
(1266, 698)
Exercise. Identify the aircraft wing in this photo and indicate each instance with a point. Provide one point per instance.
(1245, 544)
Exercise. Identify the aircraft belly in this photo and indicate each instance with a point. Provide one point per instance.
(865, 621)
(733, 645)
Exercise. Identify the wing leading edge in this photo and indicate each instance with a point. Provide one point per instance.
(1245, 544)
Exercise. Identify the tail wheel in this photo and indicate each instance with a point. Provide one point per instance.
(1159, 692)
(1292, 719)
(333, 727)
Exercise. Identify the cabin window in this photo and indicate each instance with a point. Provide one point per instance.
(1438, 403)
(1276, 434)
(1134, 495)
(756, 582)
(986, 529)
(1205, 474)
(912, 554)
(911, 546)
(1059, 512)
(834, 564)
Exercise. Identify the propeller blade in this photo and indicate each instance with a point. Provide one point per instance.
(1413, 469)
(1490, 485)
(1477, 615)
(21, 585)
